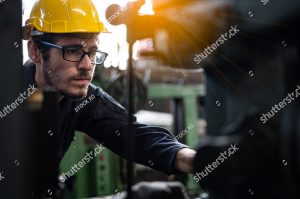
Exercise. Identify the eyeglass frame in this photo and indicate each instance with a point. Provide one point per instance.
(62, 48)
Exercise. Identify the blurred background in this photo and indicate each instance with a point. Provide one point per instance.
(209, 99)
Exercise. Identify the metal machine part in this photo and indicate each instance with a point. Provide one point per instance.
(118, 91)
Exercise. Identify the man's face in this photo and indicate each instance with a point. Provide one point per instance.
(70, 78)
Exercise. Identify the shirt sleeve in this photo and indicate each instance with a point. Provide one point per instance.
(106, 121)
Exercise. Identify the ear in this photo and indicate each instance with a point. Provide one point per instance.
(33, 52)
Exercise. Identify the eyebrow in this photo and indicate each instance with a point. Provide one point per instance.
(73, 46)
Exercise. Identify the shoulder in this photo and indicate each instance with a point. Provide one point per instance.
(103, 98)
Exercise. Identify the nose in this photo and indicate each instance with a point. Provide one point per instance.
(85, 64)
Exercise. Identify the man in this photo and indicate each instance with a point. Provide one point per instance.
(63, 49)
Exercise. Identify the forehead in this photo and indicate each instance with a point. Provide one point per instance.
(81, 39)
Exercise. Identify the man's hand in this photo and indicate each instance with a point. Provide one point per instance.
(184, 160)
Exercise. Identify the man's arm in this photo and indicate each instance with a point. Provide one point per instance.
(107, 122)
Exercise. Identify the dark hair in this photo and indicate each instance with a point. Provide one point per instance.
(54, 37)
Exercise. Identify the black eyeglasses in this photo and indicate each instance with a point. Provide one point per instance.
(76, 54)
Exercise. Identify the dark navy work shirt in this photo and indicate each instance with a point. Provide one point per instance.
(106, 121)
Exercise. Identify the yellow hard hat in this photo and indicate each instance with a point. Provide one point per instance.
(64, 16)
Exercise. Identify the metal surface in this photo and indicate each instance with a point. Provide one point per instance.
(99, 177)
(12, 137)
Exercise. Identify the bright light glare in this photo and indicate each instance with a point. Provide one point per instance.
(147, 8)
